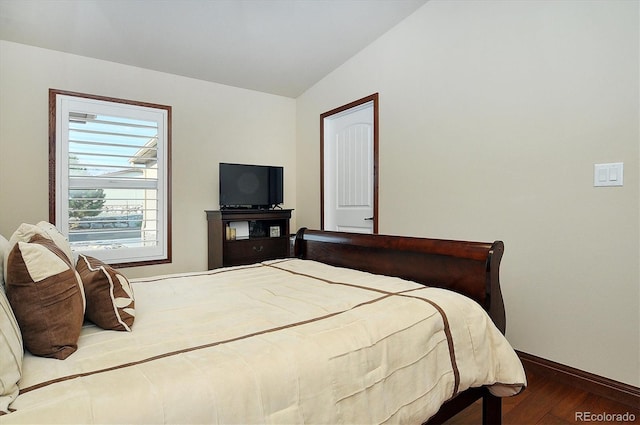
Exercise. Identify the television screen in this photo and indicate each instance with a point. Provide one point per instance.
(250, 186)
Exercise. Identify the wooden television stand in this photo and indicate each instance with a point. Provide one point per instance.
(267, 238)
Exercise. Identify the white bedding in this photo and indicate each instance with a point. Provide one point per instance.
(287, 341)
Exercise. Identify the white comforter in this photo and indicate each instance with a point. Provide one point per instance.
(289, 341)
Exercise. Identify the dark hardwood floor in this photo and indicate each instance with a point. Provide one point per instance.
(548, 401)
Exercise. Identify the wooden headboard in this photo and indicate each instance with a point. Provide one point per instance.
(470, 268)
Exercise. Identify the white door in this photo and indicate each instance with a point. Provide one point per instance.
(349, 174)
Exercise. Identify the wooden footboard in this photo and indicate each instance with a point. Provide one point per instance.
(469, 268)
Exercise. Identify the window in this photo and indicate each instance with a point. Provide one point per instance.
(109, 188)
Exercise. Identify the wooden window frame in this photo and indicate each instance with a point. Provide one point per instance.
(166, 236)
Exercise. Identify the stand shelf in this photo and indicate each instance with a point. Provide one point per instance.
(258, 246)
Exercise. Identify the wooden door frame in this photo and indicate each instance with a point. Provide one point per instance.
(371, 98)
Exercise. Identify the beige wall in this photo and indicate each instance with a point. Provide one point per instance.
(211, 123)
(492, 115)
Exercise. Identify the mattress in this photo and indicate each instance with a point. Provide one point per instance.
(284, 341)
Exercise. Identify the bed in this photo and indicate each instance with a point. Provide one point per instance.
(351, 329)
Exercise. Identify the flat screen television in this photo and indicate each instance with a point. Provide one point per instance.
(251, 186)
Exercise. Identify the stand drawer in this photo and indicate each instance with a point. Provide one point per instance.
(250, 251)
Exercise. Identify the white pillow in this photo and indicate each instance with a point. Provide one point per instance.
(11, 354)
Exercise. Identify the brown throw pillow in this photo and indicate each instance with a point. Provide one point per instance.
(46, 295)
(110, 302)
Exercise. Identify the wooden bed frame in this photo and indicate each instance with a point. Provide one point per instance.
(470, 268)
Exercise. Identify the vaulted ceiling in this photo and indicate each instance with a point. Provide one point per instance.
(275, 46)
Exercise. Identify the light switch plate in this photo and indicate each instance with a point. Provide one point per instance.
(605, 175)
